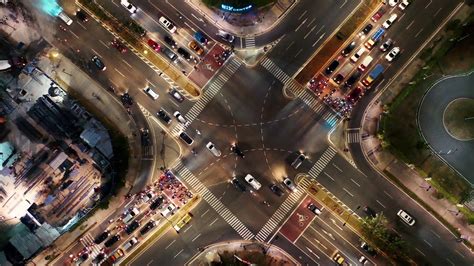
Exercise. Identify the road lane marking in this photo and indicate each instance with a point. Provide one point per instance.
(459, 253)
(288, 47)
(319, 242)
(170, 244)
(128, 65)
(119, 73)
(149, 263)
(420, 252)
(177, 254)
(418, 33)
(343, 4)
(189, 227)
(309, 32)
(335, 223)
(151, 83)
(329, 176)
(428, 243)
(335, 166)
(353, 181)
(215, 220)
(434, 233)
(95, 52)
(380, 203)
(311, 22)
(450, 262)
(80, 24)
(347, 191)
(437, 12)
(73, 34)
(386, 193)
(104, 44)
(428, 4)
(302, 14)
(301, 24)
(301, 50)
(196, 237)
(409, 25)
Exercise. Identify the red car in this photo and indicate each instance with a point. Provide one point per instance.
(119, 46)
(154, 45)
(355, 95)
(378, 15)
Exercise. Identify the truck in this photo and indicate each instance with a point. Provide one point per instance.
(346, 69)
(375, 38)
(373, 75)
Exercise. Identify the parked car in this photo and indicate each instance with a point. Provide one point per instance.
(102, 237)
(112, 241)
(403, 4)
(132, 242)
(168, 210)
(390, 21)
(148, 226)
(386, 45)
(313, 208)
(132, 227)
(82, 15)
(346, 51)
(332, 67)
(156, 203)
(379, 14)
(366, 29)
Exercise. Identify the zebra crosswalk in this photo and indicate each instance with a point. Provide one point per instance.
(353, 136)
(282, 211)
(275, 70)
(215, 203)
(322, 162)
(88, 241)
(250, 42)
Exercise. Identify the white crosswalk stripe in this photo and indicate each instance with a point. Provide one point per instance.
(88, 241)
(250, 42)
(282, 211)
(215, 203)
(225, 74)
(353, 137)
(322, 162)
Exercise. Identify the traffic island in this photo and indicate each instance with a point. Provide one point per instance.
(242, 253)
(458, 119)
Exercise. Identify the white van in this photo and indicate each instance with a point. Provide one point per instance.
(65, 18)
(365, 63)
(151, 93)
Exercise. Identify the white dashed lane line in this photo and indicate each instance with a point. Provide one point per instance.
(119, 72)
(170, 244)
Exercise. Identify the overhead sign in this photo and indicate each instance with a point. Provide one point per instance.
(235, 9)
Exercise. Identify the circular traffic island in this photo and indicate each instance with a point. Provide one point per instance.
(458, 119)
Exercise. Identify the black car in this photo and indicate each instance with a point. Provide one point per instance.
(145, 134)
(112, 241)
(156, 203)
(338, 78)
(170, 41)
(332, 67)
(346, 51)
(353, 78)
(277, 190)
(184, 53)
(186, 138)
(99, 258)
(126, 99)
(235, 149)
(298, 160)
(164, 116)
(132, 227)
(148, 226)
(367, 28)
(100, 238)
(81, 15)
(368, 249)
(98, 63)
(314, 209)
(370, 212)
(238, 185)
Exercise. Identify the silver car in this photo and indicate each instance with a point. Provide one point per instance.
(289, 184)
(212, 148)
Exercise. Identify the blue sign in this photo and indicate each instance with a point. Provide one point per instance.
(233, 9)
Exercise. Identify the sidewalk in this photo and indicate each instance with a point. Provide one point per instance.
(252, 23)
(243, 250)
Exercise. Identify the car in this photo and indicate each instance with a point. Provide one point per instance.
(115, 256)
(238, 185)
(403, 4)
(148, 226)
(298, 161)
(355, 95)
(98, 63)
(112, 241)
(170, 54)
(118, 45)
(151, 93)
(392, 2)
(176, 95)
(289, 184)
(131, 8)
(226, 36)
(163, 115)
(130, 214)
(170, 41)
(407, 218)
(156, 203)
(132, 242)
(99, 258)
(148, 196)
(182, 222)
(168, 210)
(200, 37)
(365, 63)
(212, 148)
(253, 182)
(370, 212)
(126, 99)
(379, 14)
(154, 45)
(167, 24)
(358, 54)
(386, 45)
(235, 149)
(363, 260)
(184, 53)
(195, 47)
(339, 259)
(366, 29)
(100, 238)
(332, 67)
(82, 15)
(132, 227)
(353, 78)
(313, 208)
(65, 18)
(390, 21)
(81, 257)
(277, 190)
(346, 51)
(181, 118)
(392, 54)
(186, 138)
(368, 248)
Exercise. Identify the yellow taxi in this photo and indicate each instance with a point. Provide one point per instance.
(182, 222)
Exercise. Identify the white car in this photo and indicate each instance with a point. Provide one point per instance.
(226, 36)
(289, 184)
(392, 2)
(167, 24)
(392, 54)
(151, 93)
(212, 148)
(253, 182)
(181, 118)
(131, 8)
(390, 21)
(358, 54)
(403, 4)
(406, 217)
(168, 210)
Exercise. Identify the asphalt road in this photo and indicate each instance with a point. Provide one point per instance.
(430, 117)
